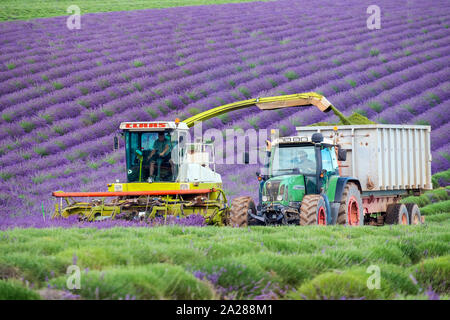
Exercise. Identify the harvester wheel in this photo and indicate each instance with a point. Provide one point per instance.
(313, 210)
(396, 214)
(413, 213)
(239, 216)
(351, 211)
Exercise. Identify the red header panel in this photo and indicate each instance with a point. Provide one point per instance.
(130, 193)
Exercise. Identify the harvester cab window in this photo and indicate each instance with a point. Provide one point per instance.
(148, 140)
(178, 140)
(139, 147)
(133, 144)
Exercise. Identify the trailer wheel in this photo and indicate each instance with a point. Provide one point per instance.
(397, 214)
(313, 210)
(413, 213)
(351, 211)
(239, 216)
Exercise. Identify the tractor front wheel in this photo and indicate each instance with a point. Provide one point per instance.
(313, 210)
(239, 209)
(351, 211)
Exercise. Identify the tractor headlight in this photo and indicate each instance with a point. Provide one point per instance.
(264, 198)
(279, 197)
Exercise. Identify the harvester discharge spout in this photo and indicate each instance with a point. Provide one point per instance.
(271, 103)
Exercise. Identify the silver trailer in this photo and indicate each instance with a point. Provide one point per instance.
(383, 157)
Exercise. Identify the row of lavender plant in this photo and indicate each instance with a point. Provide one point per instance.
(373, 71)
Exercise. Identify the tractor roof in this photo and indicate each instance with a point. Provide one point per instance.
(299, 140)
(152, 126)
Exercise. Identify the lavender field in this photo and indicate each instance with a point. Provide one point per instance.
(64, 92)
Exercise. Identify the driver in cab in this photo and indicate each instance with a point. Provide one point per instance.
(304, 164)
(161, 150)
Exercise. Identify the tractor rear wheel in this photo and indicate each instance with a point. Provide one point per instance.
(351, 211)
(239, 209)
(413, 213)
(397, 214)
(313, 210)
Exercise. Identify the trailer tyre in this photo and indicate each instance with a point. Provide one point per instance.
(313, 210)
(239, 216)
(351, 211)
(413, 213)
(397, 214)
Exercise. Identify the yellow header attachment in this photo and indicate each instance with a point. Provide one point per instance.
(267, 103)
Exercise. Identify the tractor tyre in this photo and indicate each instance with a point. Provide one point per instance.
(239, 216)
(313, 210)
(397, 214)
(413, 213)
(351, 211)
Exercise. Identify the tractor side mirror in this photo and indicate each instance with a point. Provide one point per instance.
(342, 154)
(116, 143)
(246, 157)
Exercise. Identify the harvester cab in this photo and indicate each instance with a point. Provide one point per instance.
(166, 146)
(183, 178)
(142, 141)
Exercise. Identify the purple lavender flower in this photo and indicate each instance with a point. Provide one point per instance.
(432, 295)
(413, 279)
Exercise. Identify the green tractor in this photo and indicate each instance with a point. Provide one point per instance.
(352, 175)
(301, 184)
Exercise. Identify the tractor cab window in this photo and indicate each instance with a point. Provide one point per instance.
(327, 161)
(146, 149)
(293, 159)
(334, 161)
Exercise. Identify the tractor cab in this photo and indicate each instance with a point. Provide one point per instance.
(305, 164)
